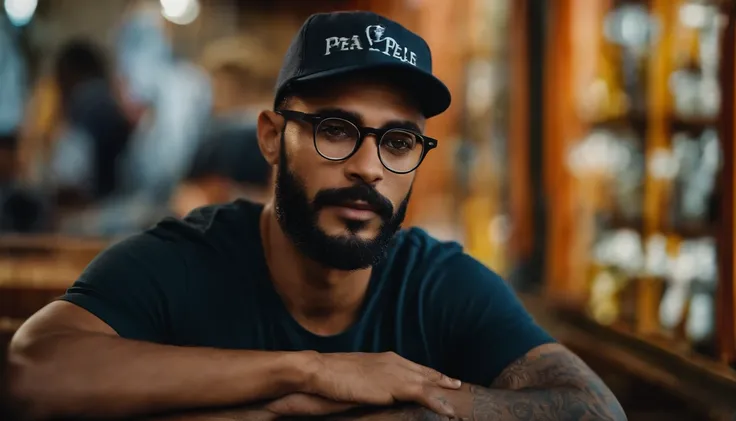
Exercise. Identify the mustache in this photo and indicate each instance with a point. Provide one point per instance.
(359, 192)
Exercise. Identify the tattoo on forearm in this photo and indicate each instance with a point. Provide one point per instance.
(554, 404)
(548, 384)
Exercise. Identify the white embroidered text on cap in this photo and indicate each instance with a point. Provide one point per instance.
(377, 42)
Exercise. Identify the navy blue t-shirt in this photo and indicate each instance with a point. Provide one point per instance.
(203, 281)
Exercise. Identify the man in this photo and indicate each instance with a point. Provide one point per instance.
(315, 303)
(169, 102)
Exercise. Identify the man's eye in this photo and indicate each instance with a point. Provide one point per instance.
(334, 131)
(399, 144)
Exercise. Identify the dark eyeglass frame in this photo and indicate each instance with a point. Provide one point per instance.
(315, 119)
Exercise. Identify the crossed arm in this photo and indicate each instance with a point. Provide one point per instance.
(549, 383)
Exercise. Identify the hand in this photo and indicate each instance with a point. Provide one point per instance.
(381, 379)
(302, 404)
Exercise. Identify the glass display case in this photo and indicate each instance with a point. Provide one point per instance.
(638, 159)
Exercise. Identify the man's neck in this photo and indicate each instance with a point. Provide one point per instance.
(324, 301)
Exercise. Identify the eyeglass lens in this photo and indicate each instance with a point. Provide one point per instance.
(399, 150)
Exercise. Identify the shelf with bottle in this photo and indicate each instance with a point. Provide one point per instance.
(640, 196)
(678, 296)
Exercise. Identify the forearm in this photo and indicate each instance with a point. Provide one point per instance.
(81, 374)
(399, 413)
(472, 403)
(260, 413)
(475, 403)
(256, 412)
(548, 404)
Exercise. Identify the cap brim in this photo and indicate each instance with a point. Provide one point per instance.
(430, 93)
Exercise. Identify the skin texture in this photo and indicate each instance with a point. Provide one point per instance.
(549, 383)
(65, 361)
(325, 300)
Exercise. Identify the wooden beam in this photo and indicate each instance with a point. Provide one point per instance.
(557, 105)
(520, 193)
(659, 112)
(574, 33)
(726, 296)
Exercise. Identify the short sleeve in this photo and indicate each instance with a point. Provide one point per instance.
(128, 286)
(484, 325)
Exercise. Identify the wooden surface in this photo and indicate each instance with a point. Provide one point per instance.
(11, 243)
(35, 270)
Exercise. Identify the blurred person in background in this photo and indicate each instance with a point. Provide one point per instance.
(12, 81)
(229, 164)
(84, 164)
(21, 209)
(169, 102)
(171, 99)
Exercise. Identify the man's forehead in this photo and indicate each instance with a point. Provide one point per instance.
(373, 102)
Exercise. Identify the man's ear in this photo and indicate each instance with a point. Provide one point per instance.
(269, 135)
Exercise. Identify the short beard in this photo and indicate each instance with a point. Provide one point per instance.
(298, 218)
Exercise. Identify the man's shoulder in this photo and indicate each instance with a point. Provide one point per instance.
(422, 259)
(416, 256)
(212, 229)
(221, 226)
(415, 245)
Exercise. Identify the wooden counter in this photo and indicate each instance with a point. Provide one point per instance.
(34, 270)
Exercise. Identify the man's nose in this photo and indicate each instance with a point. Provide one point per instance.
(365, 164)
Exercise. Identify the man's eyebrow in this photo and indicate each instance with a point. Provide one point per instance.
(350, 116)
(403, 124)
(357, 119)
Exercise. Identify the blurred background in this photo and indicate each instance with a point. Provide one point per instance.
(588, 157)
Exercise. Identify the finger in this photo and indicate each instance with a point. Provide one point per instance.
(440, 379)
(431, 374)
(429, 398)
(435, 376)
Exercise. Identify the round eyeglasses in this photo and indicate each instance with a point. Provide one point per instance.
(336, 139)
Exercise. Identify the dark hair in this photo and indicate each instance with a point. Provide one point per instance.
(78, 61)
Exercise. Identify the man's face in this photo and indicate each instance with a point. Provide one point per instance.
(343, 214)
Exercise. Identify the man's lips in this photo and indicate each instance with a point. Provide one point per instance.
(359, 210)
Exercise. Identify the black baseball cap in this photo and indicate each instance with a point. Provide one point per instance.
(330, 45)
